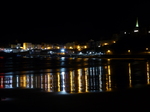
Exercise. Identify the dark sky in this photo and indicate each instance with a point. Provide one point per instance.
(66, 22)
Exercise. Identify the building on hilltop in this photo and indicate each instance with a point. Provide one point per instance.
(137, 31)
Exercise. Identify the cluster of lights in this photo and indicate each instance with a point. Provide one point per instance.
(7, 50)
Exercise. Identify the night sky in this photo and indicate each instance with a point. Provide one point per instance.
(69, 21)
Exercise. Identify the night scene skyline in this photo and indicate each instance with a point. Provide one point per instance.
(67, 22)
(48, 61)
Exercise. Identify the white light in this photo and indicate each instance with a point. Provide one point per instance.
(80, 52)
(148, 31)
(62, 50)
(136, 30)
(125, 32)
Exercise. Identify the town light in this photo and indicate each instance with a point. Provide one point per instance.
(105, 43)
(70, 47)
(129, 51)
(80, 52)
(136, 30)
(85, 47)
(62, 50)
(48, 47)
(78, 47)
(108, 51)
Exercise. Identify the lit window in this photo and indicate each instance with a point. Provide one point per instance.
(80, 52)
(62, 50)
(108, 51)
(146, 48)
(136, 30)
(70, 47)
(105, 43)
(114, 41)
(85, 47)
(78, 47)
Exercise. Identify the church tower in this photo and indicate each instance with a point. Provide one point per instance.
(136, 29)
(137, 23)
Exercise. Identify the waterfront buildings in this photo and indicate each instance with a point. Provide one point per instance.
(91, 46)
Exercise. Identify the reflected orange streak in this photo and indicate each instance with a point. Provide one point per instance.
(86, 80)
(58, 84)
(130, 81)
(148, 82)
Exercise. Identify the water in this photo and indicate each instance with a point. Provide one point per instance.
(74, 75)
(74, 84)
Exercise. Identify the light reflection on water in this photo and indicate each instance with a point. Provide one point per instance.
(147, 64)
(130, 80)
(82, 79)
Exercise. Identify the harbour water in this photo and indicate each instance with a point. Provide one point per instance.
(74, 74)
(74, 84)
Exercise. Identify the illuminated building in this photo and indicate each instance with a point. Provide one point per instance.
(70, 45)
(57, 46)
(107, 42)
(36, 46)
(136, 29)
(18, 45)
(109, 52)
(27, 46)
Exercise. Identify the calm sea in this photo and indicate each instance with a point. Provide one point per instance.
(73, 75)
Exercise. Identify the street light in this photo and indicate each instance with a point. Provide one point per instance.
(62, 50)
(108, 51)
(129, 51)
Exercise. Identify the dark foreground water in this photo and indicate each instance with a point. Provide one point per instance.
(74, 83)
(73, 74)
